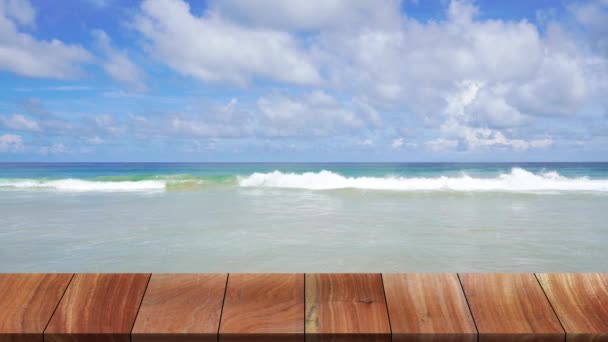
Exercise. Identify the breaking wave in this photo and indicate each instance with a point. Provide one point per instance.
(518, 180)
(83, 185)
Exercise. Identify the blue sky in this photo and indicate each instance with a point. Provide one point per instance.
(273, 80)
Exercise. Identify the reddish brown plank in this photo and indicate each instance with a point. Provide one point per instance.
(98, 307)
(263, 307)
(180, 307)
(428, 307)
(510, 307)
(346, 307)
(581, 303)
(27, 302)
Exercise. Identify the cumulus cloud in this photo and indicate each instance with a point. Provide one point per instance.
(11, 143)
(484, 137)
(382, 61)
(458, 125)
(441, 144)
(211, 48)
(19, 10)
(367, 142)
(397, 143)
(417, 63)
(310, 15)
(54, 148)
(19, 122)
(521, 74)
(117, 63)
(316, 113)
(593, 15)
(106, 123)
(22, 54)
(200, 128)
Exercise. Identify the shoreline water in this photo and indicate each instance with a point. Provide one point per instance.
(226, 227)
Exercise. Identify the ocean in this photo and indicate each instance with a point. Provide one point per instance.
(303, 217)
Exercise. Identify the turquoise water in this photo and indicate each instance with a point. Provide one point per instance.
(140, 171)
(303, 217)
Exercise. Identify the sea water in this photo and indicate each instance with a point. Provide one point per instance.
(336, 217)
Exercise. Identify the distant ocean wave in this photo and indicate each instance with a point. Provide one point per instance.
(111, 183)
(518, 180)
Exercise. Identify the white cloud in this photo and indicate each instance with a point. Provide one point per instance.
(107, 124)
(315, 113)
(95, 140)
(200, 128)
(559, 88)
(523, 75)
(19, 10)
(385, 62)
(458, 124)
(56, 148)
(11, 143)
(22, 54)
(441, 144)
(310, 14)
(20, 123)
(593, 15)
(211, 48)
(117, 63)
(100, 3)
(367, 142)
(397, 143)
(484, 137)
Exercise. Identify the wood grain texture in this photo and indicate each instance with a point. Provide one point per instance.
(510, 307)
(98, 307)
(27, 302)
(263, 307)
(581, 303)
(346, 307)
(428, 307)
(180, 307)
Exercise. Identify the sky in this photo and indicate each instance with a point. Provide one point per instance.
(303, 80)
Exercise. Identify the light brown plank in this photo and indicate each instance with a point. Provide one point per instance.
(263, 307)
(180, 307)
(510, 307)
(581, 303)
(27, 302)
(428, 307)
(98, 307)
(346, 307)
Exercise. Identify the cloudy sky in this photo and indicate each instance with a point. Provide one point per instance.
(303, 80)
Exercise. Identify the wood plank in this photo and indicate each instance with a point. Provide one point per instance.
(510, 307)
(263, 307)
(27, 302)
(581, 303)
(428, 307)
(346, 307)
(98, 307)
(180, 307)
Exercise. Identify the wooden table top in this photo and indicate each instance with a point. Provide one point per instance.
(580, 301)
(297, 307)
(100, 307)
(181, 307)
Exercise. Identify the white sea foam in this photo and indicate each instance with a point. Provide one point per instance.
(82, 185)
(518, 180)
